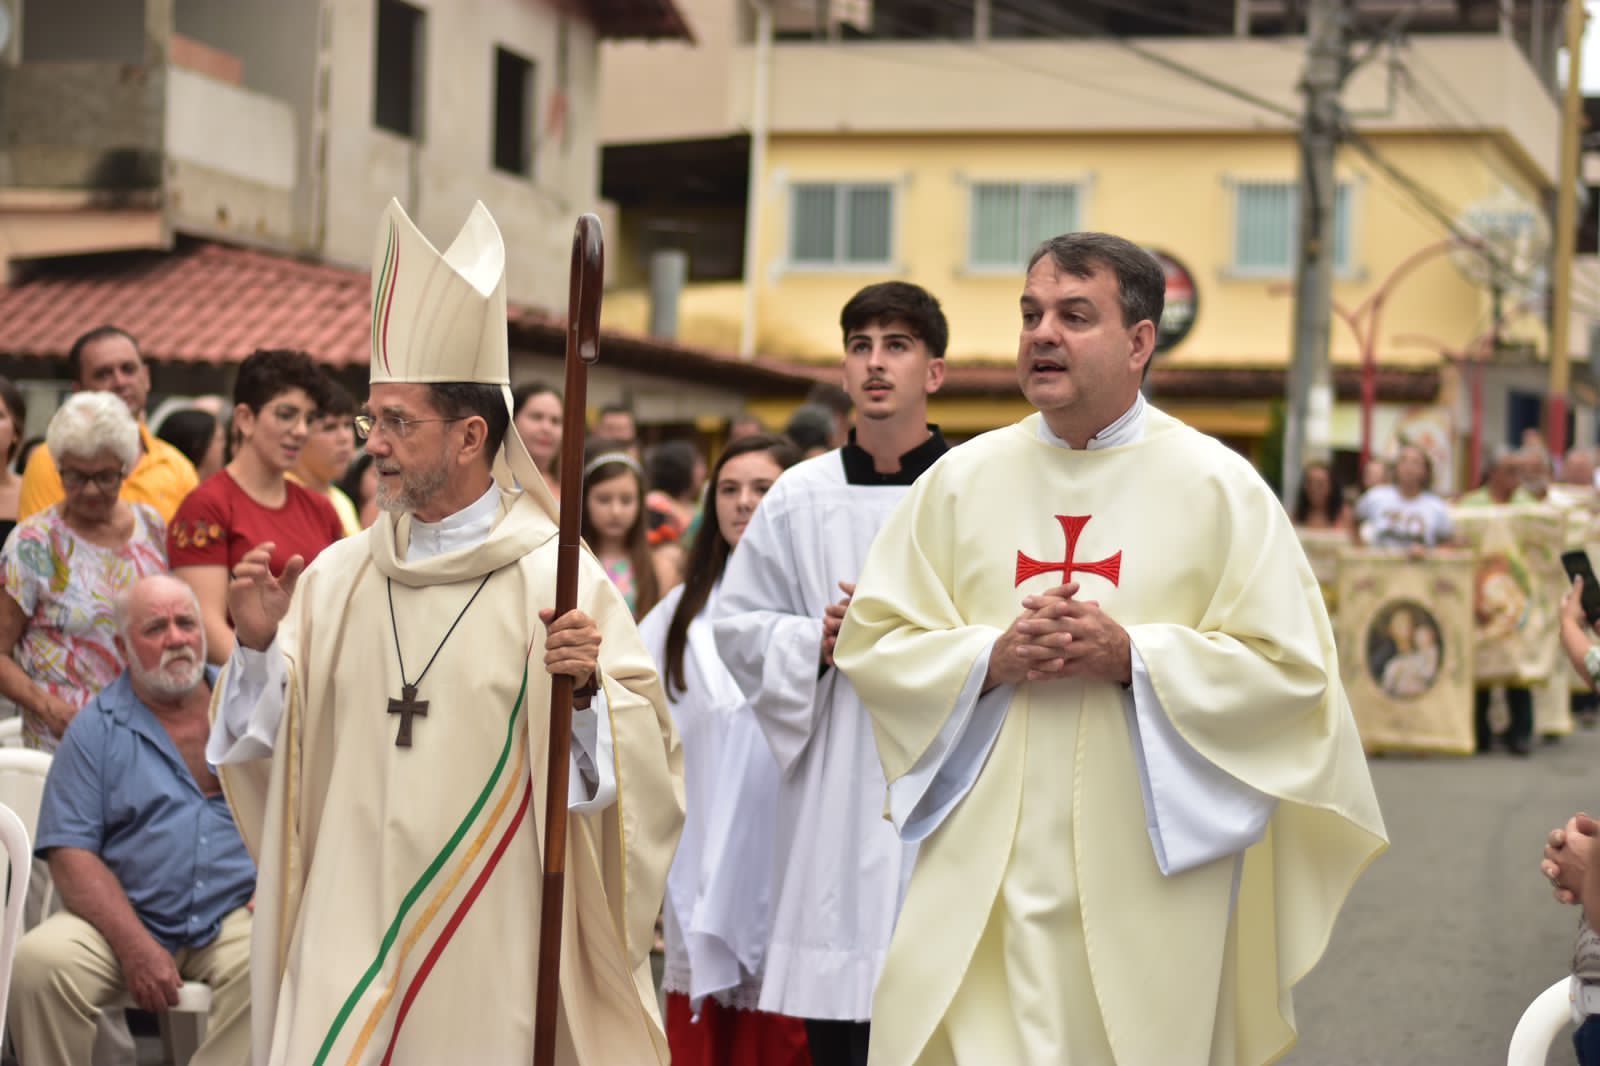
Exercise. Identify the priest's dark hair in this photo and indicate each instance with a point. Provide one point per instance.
(898, 301)
(1141, 283)
(709, 556)
(464, 399)
(604, 460)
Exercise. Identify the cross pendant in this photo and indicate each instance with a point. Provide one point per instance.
(407, 706)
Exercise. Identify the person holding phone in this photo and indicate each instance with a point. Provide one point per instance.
(1579, 609)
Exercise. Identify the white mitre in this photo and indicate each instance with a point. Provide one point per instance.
(438, 318)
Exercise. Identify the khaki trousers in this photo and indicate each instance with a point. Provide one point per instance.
(65, 973)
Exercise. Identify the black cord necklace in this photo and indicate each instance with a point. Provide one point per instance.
(407, 706)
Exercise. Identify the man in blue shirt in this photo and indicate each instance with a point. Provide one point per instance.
(154, 877)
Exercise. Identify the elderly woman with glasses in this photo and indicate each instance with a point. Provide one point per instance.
(251, 500)
(65, 565)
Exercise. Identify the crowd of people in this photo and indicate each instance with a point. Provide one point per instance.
(1396, 508)
(101, 507)
(845, 736)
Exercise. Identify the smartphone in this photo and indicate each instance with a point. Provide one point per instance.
(1577, 565)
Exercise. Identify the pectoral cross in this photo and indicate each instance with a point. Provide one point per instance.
(1072, 525)
(406, 707)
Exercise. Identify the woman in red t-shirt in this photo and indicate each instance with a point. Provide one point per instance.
(250, 500)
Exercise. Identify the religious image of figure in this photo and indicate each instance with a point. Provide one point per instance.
(1502, 597)
(1403, 650)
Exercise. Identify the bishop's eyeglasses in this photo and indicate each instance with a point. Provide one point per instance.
(392, 425)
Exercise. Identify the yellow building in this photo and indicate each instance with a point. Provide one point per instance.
(940, 142)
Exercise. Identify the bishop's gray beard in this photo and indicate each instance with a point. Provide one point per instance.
(416, 489)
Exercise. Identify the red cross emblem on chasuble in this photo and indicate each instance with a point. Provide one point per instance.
(1072, 525)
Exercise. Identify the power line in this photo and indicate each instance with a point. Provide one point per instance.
(1076, 24)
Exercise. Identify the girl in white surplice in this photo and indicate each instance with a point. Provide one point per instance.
(715, 917)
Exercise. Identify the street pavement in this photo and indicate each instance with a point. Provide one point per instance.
(1452, 932)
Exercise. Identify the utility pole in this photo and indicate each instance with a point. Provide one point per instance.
(1566, 233)
(1310, 381)
(757, 177)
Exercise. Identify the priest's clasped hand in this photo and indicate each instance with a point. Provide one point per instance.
(571, 644)
(257, 601)
(1059, 636)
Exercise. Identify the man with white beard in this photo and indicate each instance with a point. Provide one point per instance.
(143, 851)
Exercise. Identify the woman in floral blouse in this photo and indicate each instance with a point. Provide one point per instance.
(64, 567)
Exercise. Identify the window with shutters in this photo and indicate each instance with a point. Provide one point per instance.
(841, 224)
(1010, 219)
(1266, 225)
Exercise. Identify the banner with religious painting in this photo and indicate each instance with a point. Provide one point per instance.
(1405, 637)
(1518, 584)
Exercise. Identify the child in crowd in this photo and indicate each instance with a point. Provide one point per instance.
(614, 524)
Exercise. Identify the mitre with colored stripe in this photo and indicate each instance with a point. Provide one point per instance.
(438, 318)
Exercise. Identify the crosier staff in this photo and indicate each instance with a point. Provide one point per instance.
(583, 349)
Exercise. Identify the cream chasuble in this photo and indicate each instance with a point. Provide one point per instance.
(1039, 928)
(398, 899)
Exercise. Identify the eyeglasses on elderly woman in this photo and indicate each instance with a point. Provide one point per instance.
(106, 480)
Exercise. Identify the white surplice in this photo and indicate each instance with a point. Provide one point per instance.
(841, 868)
(719, 890)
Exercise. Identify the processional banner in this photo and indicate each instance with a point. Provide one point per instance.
(1405, 637)
(1517, 590)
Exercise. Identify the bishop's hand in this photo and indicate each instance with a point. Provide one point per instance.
(257, 601)
(1059, 636)
(571, 645)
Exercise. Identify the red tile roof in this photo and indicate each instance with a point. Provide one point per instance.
(200, 303)
(214, 303)
(652, 19)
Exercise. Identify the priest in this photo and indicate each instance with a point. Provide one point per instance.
(1106, 698)
(381, 730)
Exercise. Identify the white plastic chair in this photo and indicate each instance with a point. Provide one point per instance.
(183, 1028)
(19, 854)
(22, 774)
(1548, 1014)
(11, 732)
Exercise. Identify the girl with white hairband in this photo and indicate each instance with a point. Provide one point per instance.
(614, 525)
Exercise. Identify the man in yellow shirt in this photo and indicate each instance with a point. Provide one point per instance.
(107, 359)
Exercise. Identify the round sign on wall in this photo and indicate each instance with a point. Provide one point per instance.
(1182, 303)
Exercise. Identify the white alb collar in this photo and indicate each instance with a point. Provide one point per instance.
(467, 528)
(1128, 429)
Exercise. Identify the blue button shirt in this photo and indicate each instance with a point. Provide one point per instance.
(119, 787)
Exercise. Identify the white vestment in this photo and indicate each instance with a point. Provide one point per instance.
(719, 891)
(841, 868)
(1039, 927)
(397, 916)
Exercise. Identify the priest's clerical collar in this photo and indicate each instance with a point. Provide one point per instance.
(1128, 429)
(860, 468)
(467, 528)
